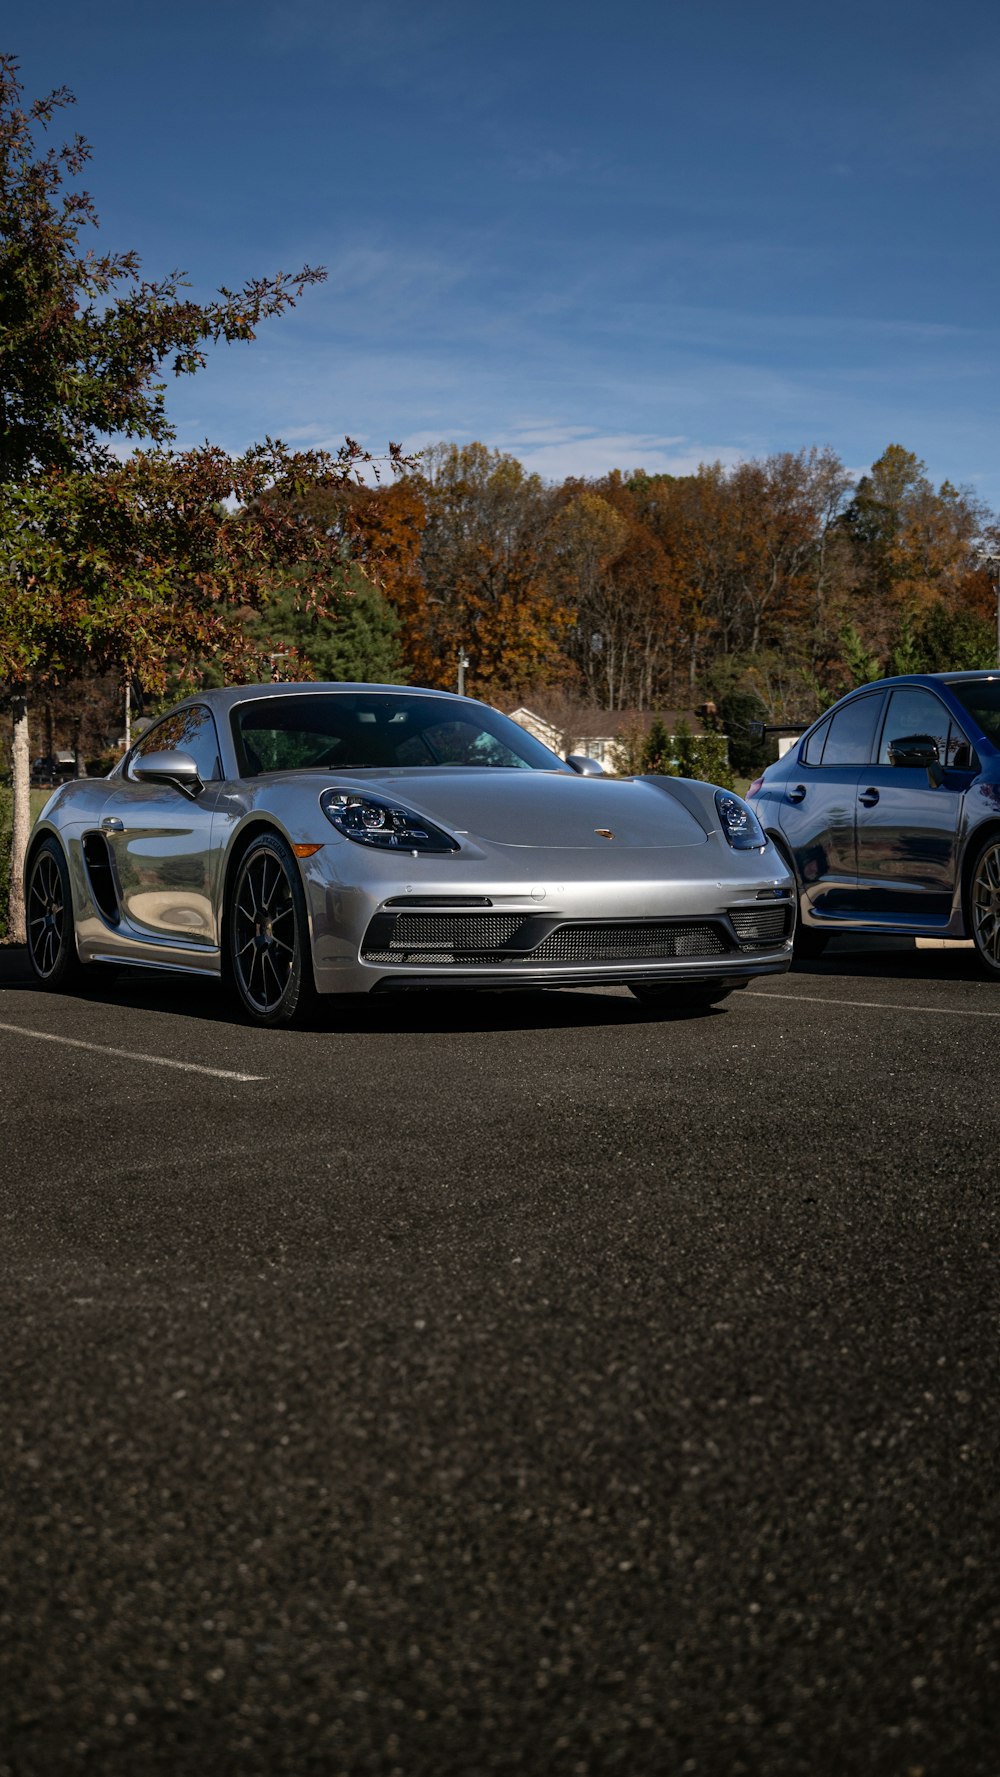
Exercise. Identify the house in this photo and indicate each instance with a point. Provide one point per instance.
(538, 727)
(604, 735)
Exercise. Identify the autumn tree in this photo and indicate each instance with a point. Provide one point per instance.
(380, 529)
(483, 563)
(363, 625)
(691, 517)
(615, 577)
(916, 559)
(785, 506)
(100, 561)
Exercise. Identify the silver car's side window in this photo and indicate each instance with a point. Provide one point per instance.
(191, 731)
(852, 731)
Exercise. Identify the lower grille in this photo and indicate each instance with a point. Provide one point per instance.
(616, 943)
(470, 931)
(521, 940)
(755, 926)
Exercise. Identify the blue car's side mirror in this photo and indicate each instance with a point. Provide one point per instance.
(916, 750)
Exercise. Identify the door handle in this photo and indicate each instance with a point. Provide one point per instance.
(798, 794)
(111, 824)
(868, 798)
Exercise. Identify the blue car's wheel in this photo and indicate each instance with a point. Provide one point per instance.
(268, 935)
(984, 901)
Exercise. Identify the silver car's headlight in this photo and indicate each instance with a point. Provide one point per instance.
(739, 823)
(388, 826)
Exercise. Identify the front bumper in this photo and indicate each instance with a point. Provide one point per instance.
(388, 929)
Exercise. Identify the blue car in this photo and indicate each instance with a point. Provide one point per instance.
(887, 810)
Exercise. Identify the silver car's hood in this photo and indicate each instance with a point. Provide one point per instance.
(537, 809)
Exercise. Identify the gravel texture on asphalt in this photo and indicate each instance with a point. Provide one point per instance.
(504, 1384)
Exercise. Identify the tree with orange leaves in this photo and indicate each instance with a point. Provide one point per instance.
(483, 564)
(102, 562)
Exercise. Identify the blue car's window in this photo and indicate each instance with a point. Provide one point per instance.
(812, 750)
(981, 697)
(914, 711)
(361, 730)
(852, 731)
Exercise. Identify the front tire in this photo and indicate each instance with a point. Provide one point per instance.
(49, 913)
(984, 907)
(682, 1000)
(270, 964)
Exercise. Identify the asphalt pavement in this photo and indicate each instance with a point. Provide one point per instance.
(503, 1383)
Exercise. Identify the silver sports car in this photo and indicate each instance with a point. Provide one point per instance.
(331, 839)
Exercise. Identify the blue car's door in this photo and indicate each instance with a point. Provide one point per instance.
(819, 805)
(907, 826)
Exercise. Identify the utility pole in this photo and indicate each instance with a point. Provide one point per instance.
(463, 661)
(990, 558)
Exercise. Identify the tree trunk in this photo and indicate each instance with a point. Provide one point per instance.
(20, 781)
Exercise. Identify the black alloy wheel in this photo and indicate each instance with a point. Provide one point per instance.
(268, 935)
(984, 907)
(680, 999)
(49, 913)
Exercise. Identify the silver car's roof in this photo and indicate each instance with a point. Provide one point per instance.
(224, 699)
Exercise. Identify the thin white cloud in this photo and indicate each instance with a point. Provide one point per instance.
(589, 456)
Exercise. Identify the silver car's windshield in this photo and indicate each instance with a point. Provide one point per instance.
(356, 730)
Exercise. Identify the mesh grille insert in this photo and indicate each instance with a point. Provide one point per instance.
(470, 931)
(760, 925)
(614, 943)
(478, 939)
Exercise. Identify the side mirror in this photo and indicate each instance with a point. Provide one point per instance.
(914, 750)
(583, 766)
(917, 750)
(178, 769)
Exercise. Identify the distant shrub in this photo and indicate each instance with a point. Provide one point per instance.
(738, 712)
(681, 754)
(701, 755)
(658, 752)
(102, 763)
(626, 754)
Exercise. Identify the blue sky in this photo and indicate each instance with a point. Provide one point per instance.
(596, 237)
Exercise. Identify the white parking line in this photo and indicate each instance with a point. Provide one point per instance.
(819, 999)
(187, 1067)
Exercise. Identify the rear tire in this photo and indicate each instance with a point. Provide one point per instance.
(267, 936)
(984, 907)
(49, 913)
(682, 1000)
